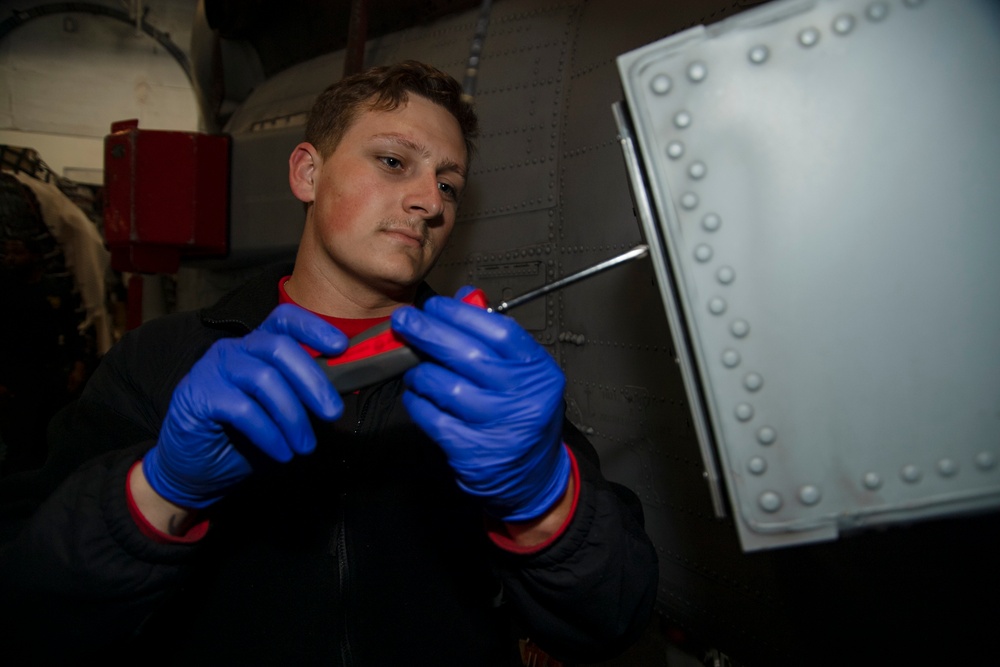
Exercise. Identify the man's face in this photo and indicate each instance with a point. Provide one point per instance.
(385, 200)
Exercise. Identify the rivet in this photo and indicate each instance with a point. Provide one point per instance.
(661, 84)
(725, 275)
(766, 435)
(809, 37)
(871, 480)
(716, 306)
(675, 150)
(877, 11)
(697, 71)
(682, 119)
(703, 253)
(739, 328)
(947, 467)
(697, 170)
(809, 494)
(753, 381)
(985, 460)
(711, 222)
(757, 465)
(843, 24)
(744, 412)
(731, 358)
(910, 474)
(759, 54)
(769, 501)
(689, 201)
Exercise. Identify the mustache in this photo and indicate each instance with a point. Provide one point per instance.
(415, 227)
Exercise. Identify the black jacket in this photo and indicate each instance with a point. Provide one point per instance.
(363, 553)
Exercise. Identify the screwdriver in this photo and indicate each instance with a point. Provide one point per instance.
(379, 354)
(638, 251)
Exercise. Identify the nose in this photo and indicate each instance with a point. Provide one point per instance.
(424, 198)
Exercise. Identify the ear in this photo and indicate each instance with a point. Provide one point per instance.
(303, 164)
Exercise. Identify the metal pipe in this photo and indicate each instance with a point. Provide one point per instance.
(357, 36)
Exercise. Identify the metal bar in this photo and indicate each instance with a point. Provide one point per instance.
(638, 251)
(357, 36)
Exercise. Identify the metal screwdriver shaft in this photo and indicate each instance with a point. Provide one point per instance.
(391, 356)
(638, 251)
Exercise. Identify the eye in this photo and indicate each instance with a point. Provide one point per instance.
(391, 162)
(448, 190)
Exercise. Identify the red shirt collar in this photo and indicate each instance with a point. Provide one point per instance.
(350, 326)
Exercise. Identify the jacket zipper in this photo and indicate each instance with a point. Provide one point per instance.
(343, 566)
(346, 657)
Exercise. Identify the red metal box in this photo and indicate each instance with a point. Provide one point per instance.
(166, 196)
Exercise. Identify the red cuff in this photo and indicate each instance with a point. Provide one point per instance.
(194, 534)
(498, 534)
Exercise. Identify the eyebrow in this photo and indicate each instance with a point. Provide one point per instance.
(446, 164)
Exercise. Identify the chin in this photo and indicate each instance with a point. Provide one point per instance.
(392, 282)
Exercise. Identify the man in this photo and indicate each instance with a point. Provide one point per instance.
(248, 514)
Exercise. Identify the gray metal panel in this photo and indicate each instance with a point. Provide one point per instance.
(519, 103)
(825, 178)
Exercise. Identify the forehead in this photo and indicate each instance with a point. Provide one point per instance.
(416, 123)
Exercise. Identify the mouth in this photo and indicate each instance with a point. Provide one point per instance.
(406, 235)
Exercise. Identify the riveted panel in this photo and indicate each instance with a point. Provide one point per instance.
(445, 44)
(519, 101)
(835, 261)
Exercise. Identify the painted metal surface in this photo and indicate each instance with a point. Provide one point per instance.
(820, 249)
(166, 197)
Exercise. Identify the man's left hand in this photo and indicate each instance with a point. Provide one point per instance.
(492, 398)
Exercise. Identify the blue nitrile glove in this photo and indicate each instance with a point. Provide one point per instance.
(492, 398)
(260, 386)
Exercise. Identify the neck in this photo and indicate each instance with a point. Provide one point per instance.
(328, 291)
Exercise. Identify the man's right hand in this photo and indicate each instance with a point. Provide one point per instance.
(260, 386)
